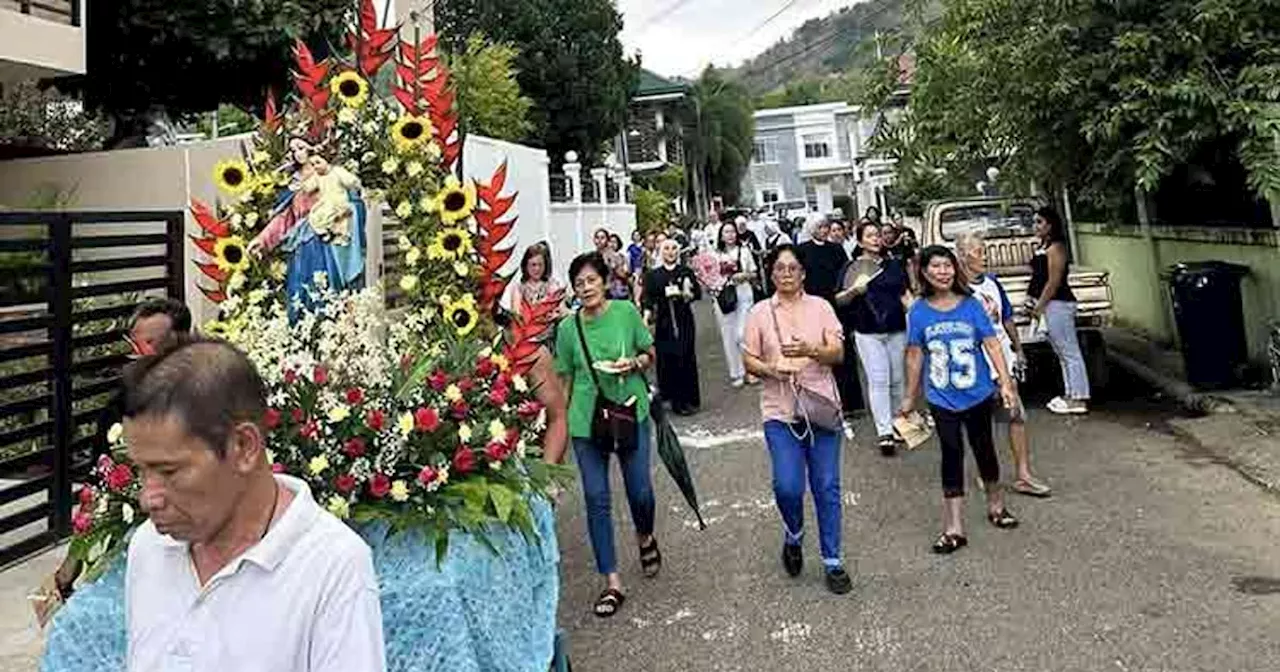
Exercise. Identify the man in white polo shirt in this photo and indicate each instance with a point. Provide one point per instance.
(236, 569)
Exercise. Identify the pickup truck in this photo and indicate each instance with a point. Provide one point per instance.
(1007, 226)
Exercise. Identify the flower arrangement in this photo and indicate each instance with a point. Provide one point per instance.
(425, 418)
(706, 268)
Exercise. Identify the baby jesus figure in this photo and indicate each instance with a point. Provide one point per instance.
(331, 214)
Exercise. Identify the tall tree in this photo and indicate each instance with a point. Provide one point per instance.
(149, 58)
(570, 64)
(490, 102)
(719, 131)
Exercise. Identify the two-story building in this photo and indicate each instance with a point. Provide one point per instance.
(807, 156)
(39, 40)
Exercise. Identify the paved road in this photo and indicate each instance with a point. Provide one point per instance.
(1150, 557)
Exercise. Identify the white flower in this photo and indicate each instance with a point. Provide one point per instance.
(404, 209)
(368, 157)
(318, 464)
(251, 219)
(126, 513)
(339, 413)
(408, 282)
(522, 448)
(405, 423)
(461, 268)
(339, 507)
(497, 430)
(115, 434)
(399, 491)
(347, 115)
(452, 393)
(464, 432)
(390, 166)
(257, 296)
(413, 256)
(370, 127)
(403, 242)
(236, 220)
(259, 157)
(433, 151)
(413, 169)
(237, 281)
(520, 384)
(442, 476)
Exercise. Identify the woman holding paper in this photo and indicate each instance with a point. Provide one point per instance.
(669, 293)
(872, 308)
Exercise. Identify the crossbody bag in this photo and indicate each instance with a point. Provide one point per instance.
(811, 409)
(613, 425)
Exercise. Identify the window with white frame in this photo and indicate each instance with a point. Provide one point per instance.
(770, 195)
(817, 146)
(765, 151)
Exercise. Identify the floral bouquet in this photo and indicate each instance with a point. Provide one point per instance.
(706, 268)
(424, 418)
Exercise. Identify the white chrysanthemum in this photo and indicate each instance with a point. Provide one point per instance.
(464, 432)
(400, 491)
(115, 433)
(339, 413)
(520, 384)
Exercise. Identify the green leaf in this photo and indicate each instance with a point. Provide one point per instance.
(503, 501)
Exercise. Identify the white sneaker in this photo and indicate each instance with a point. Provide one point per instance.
(737, 382)
(1062, 406)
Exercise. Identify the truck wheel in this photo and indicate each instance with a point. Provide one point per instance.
(1094, 350)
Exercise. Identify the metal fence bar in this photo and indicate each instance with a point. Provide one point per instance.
(60, 409)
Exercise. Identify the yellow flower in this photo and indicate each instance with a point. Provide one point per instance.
(442, 475)
(433, 151)
(497, 430)
(399, 491)
(232, 176)
(461, 268)
(456, 201)
(350, 88)
(413, 168)
(462, 314)
(259, 158)
(405, 423)
(278, 270)
(318, 464)
(464, 432)
(339, 507)
(230, 254)
(339, 413)
(391, 165)
(408, 282)
(452, 393)
(410, 132)
(500, 360)
(413, 256)
(347, 116)
(450, 244)
(404, 209)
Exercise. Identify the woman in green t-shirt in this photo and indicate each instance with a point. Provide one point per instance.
(621, 348)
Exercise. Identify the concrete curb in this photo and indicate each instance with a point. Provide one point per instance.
(1197, 402)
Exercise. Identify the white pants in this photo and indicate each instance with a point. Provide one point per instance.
(883, 365)
(732, 329)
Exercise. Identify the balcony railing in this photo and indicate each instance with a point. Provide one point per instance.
(62, 11)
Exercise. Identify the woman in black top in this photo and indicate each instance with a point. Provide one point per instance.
(669, 293)
(871, 308)
(1054, 307)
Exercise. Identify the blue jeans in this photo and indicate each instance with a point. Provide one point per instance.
(594, 465)
(790, 456)
(1060, 316)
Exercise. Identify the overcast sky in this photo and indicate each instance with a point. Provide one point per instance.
(680, 37)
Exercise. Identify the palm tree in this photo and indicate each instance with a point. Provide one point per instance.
(718, 132)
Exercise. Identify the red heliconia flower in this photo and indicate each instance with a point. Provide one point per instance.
(459, 409)
(426, 420)
(529, 409)
(496, 451)
(119, 477)
(376, 420)
(290, 376)
(355, 396)
(427, 476)
(310, 430)
(498, 395)
(438, 380)
(320, 376)
(271, 419)
(355, 447)
(379, 485)
(85, 496)
(345, 483)
(81, 522)
(485, 367)
(464, 460)
(297, 415)
(277, 468)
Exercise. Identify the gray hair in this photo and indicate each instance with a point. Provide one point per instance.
(968, 240)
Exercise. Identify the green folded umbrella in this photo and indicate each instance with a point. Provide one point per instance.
(672, 454)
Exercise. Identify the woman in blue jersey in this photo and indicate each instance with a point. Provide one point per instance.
(947, 333)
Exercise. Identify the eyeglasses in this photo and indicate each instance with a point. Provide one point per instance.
(787, 269)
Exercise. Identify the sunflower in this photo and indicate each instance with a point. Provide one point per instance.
(232, 176)
(462, 314)
(456, 201)
(410, 132)
(450, 244)
(230, 254)
(350, 88)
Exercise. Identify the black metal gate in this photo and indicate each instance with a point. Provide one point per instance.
(68, 284)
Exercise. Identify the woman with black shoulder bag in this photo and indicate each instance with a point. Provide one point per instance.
(602, 352)
(735, 299)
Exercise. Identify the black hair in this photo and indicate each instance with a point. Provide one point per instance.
(536, 250)
(594, 260)
(207, 384)
(771, 257)
(862, 226)
(868, 212)
(177, 311)
(1057, 232)
(927, 255)
(720, 235)
(617, 242)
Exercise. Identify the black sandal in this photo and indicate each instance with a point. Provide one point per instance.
(609, 602)
(949, 543)
(650, 559)
(1002, 519)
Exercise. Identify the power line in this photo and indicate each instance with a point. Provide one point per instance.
(789, 4)
(814, 46)
(661, 14)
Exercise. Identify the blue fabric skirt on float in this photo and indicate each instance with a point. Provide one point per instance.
(476, 612)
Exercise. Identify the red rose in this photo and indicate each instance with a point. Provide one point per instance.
(344, 483)
(309, 430)
(427, 476)
(290, 376)
(459, 409)
(380, 485)
(320, 376)
(376, 420)
(354, 448)
(498, 396)
(464, 460)
(529, 410)
(426, 420)
(86, 496)
(485, 367)
(355, 396)
(81, 522)
(466, 385)
(119, 477)
(277, 468)
(297, 415)
(513, 438)
(271, 419)
(438, 380)
(496, 451)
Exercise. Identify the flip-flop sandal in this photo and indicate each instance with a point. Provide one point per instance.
(1002, 519)
(650, 559)
(609, 602)
(949, 543)
(1032, 489)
